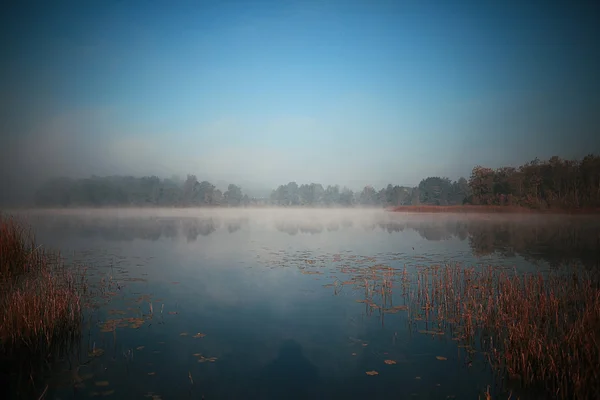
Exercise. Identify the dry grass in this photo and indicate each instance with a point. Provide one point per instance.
(543, 330)
(490, 209)
(40, 304)
(18, 253)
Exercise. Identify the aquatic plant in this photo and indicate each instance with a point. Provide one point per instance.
(542, 330)
(40, 302)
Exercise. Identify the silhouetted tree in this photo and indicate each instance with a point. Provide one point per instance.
(536, 184)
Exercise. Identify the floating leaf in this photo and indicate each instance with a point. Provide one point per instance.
(390, 362)
(151, 373)
(432, 332)
(353, 354)
(418, 378)
(311, 272)
(140, 348)
(101, 383)
(395, 309)
(108, 327)
(372, 373)
(203, 359)
(183, 334)
(96, 353)
(441, 358)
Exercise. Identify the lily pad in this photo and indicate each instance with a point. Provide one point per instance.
(96, 352)
(431, 332)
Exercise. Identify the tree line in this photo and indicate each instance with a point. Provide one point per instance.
(537, 184)
(553, 183)
(153, 191)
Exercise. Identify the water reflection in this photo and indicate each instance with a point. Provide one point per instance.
(551, 239)
(200, 302)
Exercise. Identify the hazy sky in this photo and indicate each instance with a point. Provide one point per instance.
(349, 92)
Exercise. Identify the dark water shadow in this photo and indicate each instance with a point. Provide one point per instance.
(289, 376)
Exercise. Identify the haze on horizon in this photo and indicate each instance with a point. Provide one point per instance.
(264, 93)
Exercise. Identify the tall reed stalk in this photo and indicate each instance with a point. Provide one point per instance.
(40, 302)
(542, 329)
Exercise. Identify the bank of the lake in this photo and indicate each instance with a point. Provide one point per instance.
(487, 209)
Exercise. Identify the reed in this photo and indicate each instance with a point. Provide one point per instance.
(40, 299)
(541, 329)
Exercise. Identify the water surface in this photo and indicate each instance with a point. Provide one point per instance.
(269, 303)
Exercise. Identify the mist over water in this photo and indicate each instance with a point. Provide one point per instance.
(268, 303)
(214, 108)
(551, 239)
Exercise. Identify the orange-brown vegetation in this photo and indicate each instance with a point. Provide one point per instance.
(40, 305)
(492, 209)
(553, 183)
(543, 330)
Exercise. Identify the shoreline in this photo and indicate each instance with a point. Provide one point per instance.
(472, 209)
(422, 209)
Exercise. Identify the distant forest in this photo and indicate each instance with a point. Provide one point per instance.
(554, 183)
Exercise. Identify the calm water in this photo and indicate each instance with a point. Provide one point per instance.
(262, 304)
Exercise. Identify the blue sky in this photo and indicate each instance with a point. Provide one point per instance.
(349, 92)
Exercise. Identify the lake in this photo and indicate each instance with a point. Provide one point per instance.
(259, 303)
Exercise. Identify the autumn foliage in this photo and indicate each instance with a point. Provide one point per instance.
(555, 183)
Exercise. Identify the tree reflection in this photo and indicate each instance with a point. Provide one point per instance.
(556, 240)
(553, 240)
